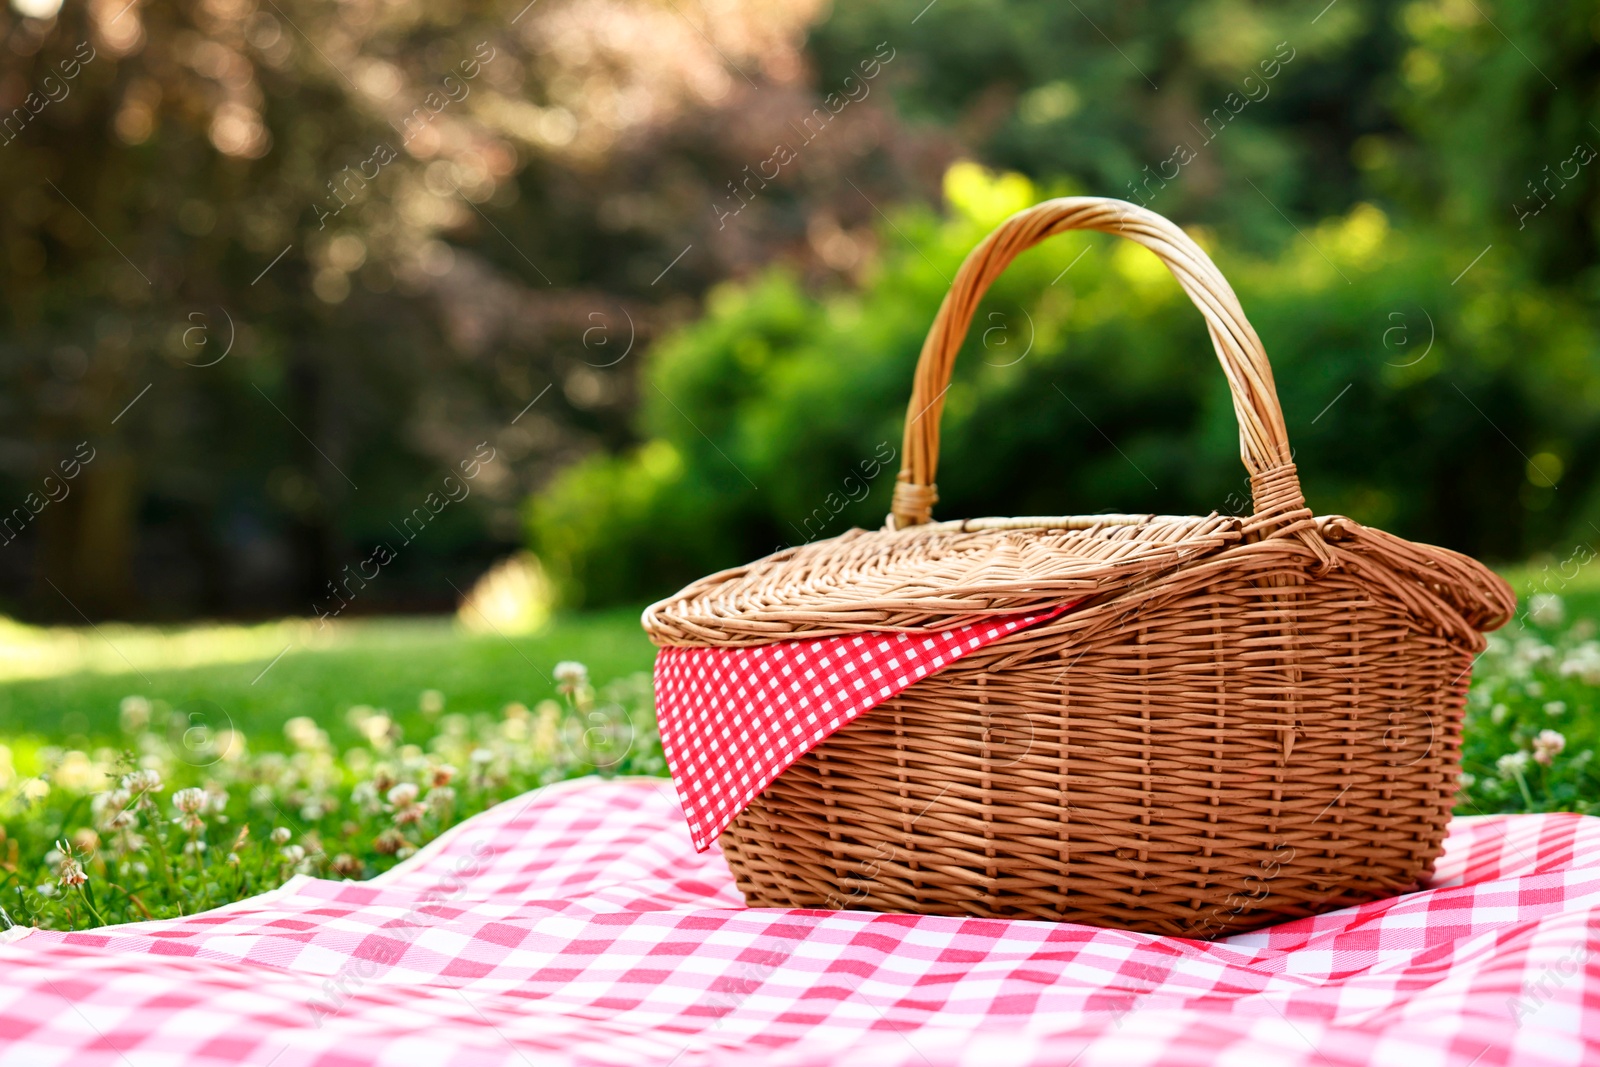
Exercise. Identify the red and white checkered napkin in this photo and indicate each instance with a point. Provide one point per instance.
(576, 926)
(733, 719)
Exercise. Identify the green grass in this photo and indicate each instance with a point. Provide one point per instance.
(225, 676)
(237, 802)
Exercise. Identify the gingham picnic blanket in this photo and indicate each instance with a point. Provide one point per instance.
(577, 925)
(733, 719)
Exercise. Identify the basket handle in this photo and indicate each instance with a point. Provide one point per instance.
(1263, 441)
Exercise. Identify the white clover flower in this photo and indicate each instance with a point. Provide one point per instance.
(1546, 609)
(110, 809)
(1555, 708)
(194, 848)
(293, 853)
(134, 713)
(1547, 746)
(383, 776)
(216, 798)
(1583, 663)
(69, 873)
(46, 890)
(481, 756)
(364, 795)
(441, 794)
(378, 730)
(143, 781)
(189, 801)
(304, 733)
(403, 802)
(280, 835)
(1498, 713)
(1528, 653)
(570, 676)
(403, 795)
(1512, 763)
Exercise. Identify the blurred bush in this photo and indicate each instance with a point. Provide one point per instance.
(1400, 190)
(1086, 384)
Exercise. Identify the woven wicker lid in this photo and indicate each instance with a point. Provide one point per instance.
(917, 574)
(930, 576)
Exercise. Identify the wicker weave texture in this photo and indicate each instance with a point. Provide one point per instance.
(1197, 758)
(1245, 720)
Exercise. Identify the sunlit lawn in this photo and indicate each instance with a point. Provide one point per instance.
(65, 686)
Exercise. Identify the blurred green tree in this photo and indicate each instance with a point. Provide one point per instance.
(282, 265)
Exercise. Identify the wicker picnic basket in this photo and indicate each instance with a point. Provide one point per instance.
(1243, 720)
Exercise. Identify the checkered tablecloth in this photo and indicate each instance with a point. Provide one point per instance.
(733, 719)
(577, 925)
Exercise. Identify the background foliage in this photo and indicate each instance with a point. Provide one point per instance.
(1399, 192)
(1379, 178)
(1087, 384)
